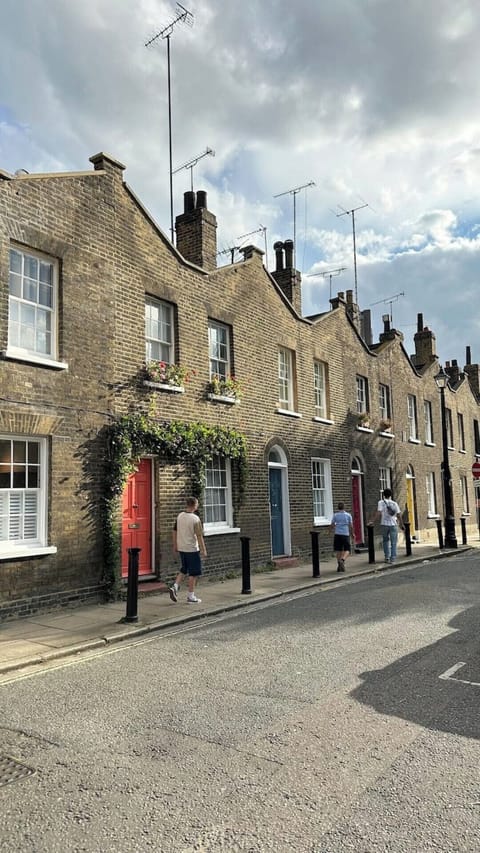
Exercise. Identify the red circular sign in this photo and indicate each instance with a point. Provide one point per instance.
(476, 470)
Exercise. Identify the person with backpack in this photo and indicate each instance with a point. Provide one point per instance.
(342, 528)
(389, 515)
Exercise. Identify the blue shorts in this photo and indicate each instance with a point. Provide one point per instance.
(341, 543)
(191, 563)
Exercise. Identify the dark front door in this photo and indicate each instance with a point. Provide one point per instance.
(276, 511)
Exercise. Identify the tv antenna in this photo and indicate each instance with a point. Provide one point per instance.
(230, 251)
(295, 192)
(184, 17)
(191, 163)
(352, 214)
(261, 230)
(330, 273)
(390, 300)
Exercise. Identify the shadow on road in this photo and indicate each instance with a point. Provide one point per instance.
(411, 688)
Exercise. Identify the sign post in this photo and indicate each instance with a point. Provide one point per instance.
(476, 470)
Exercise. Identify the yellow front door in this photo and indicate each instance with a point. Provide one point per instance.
(411, 505)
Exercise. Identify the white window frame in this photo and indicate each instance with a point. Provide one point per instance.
(362, 394)
(161, 340)
(218, 469)
(384, 401)
(34, 306)
(320, 388)
(430, 488)
(322, 484)
(11, 547)
(461, 432)
(427, 414)
(285, 379)
(464, 494)
(385, 478)
(219, 349)
(412, 417)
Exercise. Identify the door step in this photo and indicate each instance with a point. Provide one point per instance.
(285, 562)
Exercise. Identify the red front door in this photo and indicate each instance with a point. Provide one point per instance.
(137, 518)
(357, 508)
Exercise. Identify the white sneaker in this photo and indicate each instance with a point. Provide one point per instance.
(192, 599)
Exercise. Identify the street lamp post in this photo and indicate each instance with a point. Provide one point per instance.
(450, 539)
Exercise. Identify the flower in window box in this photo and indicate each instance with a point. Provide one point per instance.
(364, 419)
(385, 425)
(168, 374)
(225, 386)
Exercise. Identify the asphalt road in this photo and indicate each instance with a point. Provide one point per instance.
(343, 719)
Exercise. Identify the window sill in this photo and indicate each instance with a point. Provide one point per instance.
(289, 413)
(220, 398)
(160, 386)
(450, 448)
(12, 355)
(219, 531)
(34, 551)
(323, 421)
(462, 451)
(430, 444)
(414, 441)
(365, 429)
(322, 523)
(386, 434)
(465, 515)
(433, 515)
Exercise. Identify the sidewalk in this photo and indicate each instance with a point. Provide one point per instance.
(49, 636)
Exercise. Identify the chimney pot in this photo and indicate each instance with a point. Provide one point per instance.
(201, 198)
(288, 254)
(419, 322)
(278, 248)
(468, 356)
(188, 201)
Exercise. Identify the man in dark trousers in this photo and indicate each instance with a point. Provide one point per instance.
(188, 541)
(342, 528)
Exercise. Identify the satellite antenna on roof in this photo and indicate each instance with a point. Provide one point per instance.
(352, 214)
(294, 192)
(191, 163)
(330, 274)
(184, 17)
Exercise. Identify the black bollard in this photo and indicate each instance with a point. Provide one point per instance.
(371, 543)
(408, 540)
(440, 533)
(132, 585)
(463, 522)
(246, 587)
(315, 554)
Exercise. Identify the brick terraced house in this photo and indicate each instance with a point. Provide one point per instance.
(98, 450)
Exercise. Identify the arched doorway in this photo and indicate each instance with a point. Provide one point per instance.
(410, 483)
(357, 501)
(279, 502)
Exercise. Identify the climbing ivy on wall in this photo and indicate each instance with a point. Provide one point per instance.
(137, 435)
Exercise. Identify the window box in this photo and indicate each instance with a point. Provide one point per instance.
(221, 398)
(227, 388)
(161, 386)
(164, 375)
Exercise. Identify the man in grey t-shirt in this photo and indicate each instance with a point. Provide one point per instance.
(188, 542)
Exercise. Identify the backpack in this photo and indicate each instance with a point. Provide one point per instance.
(390, 509)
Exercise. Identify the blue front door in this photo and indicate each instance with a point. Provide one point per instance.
(276, 511)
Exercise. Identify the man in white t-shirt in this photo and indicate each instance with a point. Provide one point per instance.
(390, 517)
(188, 542)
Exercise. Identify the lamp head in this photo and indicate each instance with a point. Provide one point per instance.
(441, 379)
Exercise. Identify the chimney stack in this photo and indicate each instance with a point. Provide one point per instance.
(425, 345)
(472, 372)
(287, 278)
(196, 231)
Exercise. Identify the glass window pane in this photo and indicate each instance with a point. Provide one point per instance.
(5, 477)
(33, 452)
(15, 285)
(15, 261)
(19, 451)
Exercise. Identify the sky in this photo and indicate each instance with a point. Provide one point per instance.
(374, 102)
